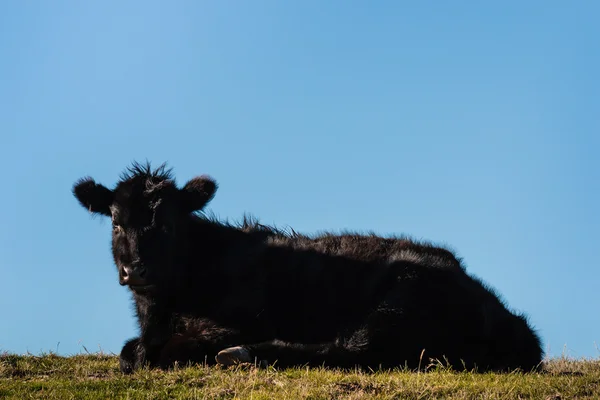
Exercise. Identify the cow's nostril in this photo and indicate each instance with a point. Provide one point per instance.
(125, 274)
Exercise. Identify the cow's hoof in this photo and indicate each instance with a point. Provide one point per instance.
(233, 356)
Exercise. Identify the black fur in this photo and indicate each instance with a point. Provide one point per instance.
(341, 300)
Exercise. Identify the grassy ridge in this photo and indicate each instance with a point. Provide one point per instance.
(98, 377)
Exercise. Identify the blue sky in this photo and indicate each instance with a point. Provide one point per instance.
(470, 124)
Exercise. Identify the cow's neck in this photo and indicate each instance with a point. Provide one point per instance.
(224, 257)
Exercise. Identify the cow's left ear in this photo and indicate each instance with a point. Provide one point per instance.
(197, 193)
(93, 196)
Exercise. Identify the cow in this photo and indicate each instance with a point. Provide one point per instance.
(210, 291)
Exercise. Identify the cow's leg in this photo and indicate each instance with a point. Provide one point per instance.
(185, 349)
(198, 341)
(132, 356)
(156, 329)
(199, 344)
(378, 343)
(135, 354)
(349, 352)
(280, 354)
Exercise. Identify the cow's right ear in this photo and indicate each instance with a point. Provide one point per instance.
(94, 197)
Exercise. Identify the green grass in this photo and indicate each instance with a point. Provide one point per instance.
(98, 377)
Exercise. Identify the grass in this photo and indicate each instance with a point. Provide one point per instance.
(97, 376)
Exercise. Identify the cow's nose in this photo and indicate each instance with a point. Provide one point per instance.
(133, 276)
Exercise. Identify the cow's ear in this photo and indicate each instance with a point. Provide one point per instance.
(93, 196)
(197, 193)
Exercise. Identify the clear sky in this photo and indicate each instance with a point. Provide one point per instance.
(473, 124)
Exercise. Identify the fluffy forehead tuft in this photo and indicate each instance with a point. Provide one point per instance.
(144, 171)
(140, 185)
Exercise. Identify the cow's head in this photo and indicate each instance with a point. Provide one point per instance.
(149, 215)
